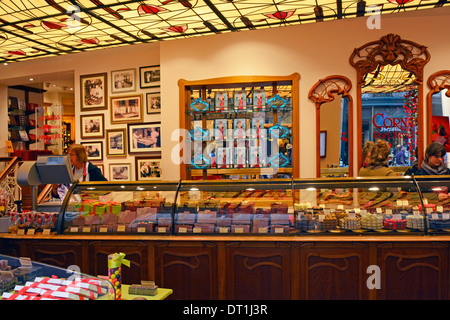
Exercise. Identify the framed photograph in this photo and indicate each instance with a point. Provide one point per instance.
(123, 80)
(94, 150)
(323, 144)
(92, 126)
(126, 109)
(150, 76)
(94, 91)
(148, 168)
(119, 172)
(116, 142)
(240, 157)
(239, 128)
(153, 102)
(224, 157)
(144, 137)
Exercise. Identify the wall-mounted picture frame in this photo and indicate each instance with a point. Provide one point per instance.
(153, 102)
(149, 76)
(94, 150)
(116, 142)
(92, 126)
(144, 137)
(123, 80)
(119, 172)
(148, 168)
(94, 91)
(126, 109)
(323, 144)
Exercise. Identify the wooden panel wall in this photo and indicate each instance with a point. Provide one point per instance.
(259, 270)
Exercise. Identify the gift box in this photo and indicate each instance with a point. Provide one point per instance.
(126, 217)
(207, 217)
(279, 208)
(241, 218)
(109, 218)
(276, 218)
(185, 218)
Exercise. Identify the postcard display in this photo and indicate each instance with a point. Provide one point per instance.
(237, 127)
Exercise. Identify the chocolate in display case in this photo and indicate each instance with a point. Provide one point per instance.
(285, 207)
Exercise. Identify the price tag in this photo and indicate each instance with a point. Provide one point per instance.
(428, 210)
(86, 229)
(357, 210)
(239, 230)
(197, 230)
(340, 207)
(103, 229)
(425, 201)
(46, 232)
(379, 210)
(223, 230)
(31, 231)
(399, 203)
(279, 230)
(162, 229)
(73, 229)
(262, 230)
(141, 229)
(434, 216)
(405, 202)
(121, 228)
(388, 211)
(440, 208)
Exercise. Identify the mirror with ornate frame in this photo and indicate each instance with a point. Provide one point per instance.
(390, 95)
(438, 108)
(334, 126)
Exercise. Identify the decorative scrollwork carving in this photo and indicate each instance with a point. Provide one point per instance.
(393, 50)
(325, 89)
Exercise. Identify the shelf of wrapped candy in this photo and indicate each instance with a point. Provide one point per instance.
(111, 217)
(438, 221)
(32, 222)
(415, 221)
(372, 221)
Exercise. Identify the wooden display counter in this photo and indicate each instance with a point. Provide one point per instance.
(258, 267)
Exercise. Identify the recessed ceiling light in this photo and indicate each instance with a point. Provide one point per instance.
(31, 79)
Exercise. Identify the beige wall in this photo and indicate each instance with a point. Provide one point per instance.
(314, 50)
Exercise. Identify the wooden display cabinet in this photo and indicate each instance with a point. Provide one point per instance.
(240, 126)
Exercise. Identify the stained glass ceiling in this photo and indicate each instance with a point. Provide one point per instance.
(40, 28)
(389, 78)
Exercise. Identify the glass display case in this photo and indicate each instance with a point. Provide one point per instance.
(118, 207)
(23, 279)
(326, 206)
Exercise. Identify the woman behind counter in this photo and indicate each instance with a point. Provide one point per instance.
(378, 163)
(433, 162)
(83, 170)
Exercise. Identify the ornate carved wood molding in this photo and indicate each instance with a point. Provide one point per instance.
(324, 91)
(390, 49)
(437, 82)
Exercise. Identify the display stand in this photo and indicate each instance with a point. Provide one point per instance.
(240, 126)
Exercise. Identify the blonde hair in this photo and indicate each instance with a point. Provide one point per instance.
(367, 149)
(380, 153)
(80, 152)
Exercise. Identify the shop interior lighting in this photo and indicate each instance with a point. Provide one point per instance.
(31, 29)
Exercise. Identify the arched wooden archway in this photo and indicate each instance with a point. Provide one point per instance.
(324, 91)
